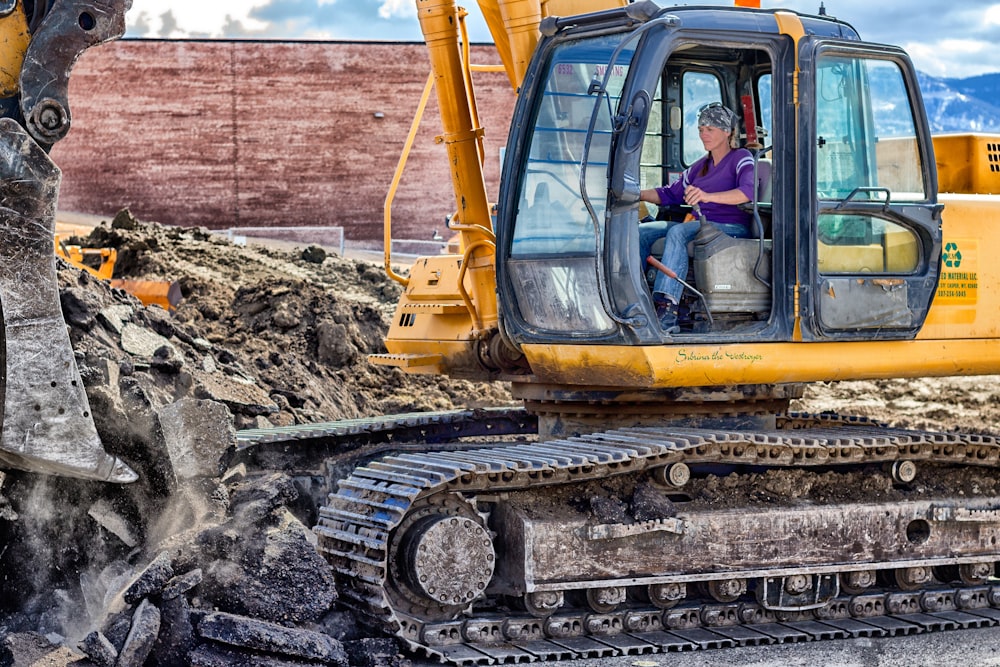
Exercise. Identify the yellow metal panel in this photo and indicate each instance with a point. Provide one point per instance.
(968, 296)
(571, 7)
(898, 254)
(850, 258)
(901, 255)
(14, 40)
(968, 163)
(434, 278)
(664, 366)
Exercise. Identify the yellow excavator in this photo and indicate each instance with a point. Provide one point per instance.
(549, 292)
(671, 499)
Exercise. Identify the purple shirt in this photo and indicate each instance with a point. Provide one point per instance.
(734, 171)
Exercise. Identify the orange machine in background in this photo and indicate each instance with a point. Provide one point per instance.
(100, 262)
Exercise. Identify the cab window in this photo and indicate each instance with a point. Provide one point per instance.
(866, 134)
(865, 244)
(700, 88)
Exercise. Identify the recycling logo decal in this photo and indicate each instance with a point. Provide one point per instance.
(952, 256)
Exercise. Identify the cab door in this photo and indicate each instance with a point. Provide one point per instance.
(869, 233)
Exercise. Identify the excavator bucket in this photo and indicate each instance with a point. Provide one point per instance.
(162, 293)
(100, 262)
(47, 426)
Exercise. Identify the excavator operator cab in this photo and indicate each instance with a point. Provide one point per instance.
(846, 227)
(729, 278)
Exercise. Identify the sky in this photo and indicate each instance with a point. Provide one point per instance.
(944, 40)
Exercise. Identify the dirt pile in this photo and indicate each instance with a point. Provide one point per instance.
(297, 324)
(968, 404)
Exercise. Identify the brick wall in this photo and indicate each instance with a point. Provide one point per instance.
(239, 133)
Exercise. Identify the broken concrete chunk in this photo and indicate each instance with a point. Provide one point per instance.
(236, 473)
(276, 489)
(31, 648)
(280, 577)
(151, 580)
(333, 344)
(196, 434)
(141, 636)
(215, 656)
(141, 342)
(176, 637)
(99, 649)
(79, 307)
(371, 652)
(116, 628)
(259, 635)
(114, 317)
(112, 521)
(201, 344)
(182, 584)
(208, 364)
(243, 397)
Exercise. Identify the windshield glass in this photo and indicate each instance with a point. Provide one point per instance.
(554, 243)
(552, 216)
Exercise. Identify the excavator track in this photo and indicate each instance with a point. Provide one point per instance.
(416, 540)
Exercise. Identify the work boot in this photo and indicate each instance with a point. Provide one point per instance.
(666, 313)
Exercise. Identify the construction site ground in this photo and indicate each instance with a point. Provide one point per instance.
(272, 334)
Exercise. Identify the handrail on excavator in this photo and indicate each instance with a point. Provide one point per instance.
(477, 321)
(401, 165)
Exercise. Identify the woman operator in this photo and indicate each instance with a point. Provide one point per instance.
(716, 183)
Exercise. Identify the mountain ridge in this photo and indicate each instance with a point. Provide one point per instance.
(961, 105)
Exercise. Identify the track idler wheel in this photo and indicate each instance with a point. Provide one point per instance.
(442, 559)
(974, 574)
(666, 596)
(541, 604)
(605, 600)
(970, 574)
(913, 578)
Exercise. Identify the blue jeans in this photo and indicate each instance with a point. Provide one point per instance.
(675, 253)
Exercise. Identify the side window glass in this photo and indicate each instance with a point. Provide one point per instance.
(700, 88)
(552, 217)
(865, 132)
(865, 244)
(764, 102)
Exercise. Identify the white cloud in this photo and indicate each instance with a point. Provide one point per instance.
(391, 8)
(965, 57)
(992, 15)
(192, 17)
(949, 48)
